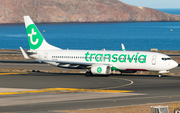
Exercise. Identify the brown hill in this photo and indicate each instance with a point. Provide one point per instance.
(12, 11)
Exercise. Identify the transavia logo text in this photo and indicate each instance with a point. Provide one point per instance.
(123, 58)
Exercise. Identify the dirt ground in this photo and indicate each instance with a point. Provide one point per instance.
(126, 109)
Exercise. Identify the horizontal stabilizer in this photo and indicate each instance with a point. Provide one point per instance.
(31, 52)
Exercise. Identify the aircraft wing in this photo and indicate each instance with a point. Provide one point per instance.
(66, 62)
(72, 63)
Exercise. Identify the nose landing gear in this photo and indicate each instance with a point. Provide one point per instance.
(160, 75)
(161, 72)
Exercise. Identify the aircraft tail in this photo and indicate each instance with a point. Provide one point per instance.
(35, 38)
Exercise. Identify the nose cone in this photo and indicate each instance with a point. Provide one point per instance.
(174, 64)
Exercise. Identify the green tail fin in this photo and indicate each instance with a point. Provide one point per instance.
(35, 38)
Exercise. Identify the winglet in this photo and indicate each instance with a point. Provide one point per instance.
(123, 48)
(24, 53)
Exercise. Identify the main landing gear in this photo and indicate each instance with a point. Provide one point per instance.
(88, 74)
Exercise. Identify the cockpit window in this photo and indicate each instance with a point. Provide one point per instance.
(166, 59)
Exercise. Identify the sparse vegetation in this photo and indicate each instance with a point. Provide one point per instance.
(10, 56)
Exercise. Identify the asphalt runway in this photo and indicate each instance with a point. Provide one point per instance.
(48, 92)
(27, 92)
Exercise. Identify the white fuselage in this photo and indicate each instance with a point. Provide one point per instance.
(119, 60)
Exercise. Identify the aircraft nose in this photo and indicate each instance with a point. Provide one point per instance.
(174, 64)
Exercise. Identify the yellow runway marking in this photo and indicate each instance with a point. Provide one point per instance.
(66, 89)
(88, 90)
(13, 73)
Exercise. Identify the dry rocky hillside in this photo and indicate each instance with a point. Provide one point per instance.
(11, 11)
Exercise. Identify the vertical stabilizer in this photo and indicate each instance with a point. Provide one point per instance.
(35, 38)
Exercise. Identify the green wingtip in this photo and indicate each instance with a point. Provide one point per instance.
(124, 49)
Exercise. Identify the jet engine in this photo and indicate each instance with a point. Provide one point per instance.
(101, 69)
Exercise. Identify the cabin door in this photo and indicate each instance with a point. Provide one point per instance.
(154, 60)
(46, 56)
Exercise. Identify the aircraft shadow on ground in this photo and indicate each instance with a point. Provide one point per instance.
(131, 75)
(53, 74)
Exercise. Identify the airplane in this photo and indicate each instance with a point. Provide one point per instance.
(96, 62)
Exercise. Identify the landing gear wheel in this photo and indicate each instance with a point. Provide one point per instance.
(105, 75)
(88, 74)
(160, 75)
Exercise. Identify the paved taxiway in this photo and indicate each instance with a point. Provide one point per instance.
(30, 91)
(145, 89)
